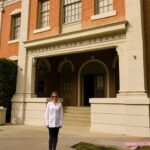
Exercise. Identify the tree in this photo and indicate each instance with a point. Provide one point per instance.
(8, 74)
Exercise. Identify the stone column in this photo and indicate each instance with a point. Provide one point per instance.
(123, 68)
(135, 73)
(30, 78)
(18, 100)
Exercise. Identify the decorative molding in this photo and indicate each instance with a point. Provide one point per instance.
(13, 41)
(13, 58)
(104, 15)
(14, 12)
(66, 28)
(109, 29)
(76, 44)
(65, 61)
(10, 2)
(42, 30)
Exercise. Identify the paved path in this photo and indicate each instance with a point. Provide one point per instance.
(21, 137)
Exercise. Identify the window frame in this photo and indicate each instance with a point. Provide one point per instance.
(39, 20)
(79, 14)
(13, 35)
(97, 7)
(98, 15)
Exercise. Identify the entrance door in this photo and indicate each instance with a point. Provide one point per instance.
(88, 88)
(94, 86)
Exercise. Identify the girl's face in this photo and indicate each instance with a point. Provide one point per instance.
(54, 97)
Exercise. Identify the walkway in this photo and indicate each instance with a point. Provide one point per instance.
(21, 137)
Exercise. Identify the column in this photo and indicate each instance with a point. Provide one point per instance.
(30, 78)
(21, 76)
(136, 84)
(18, 100)
(123, 68)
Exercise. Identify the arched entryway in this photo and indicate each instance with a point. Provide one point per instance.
(43, 69)
(66, 76)
(93, 81)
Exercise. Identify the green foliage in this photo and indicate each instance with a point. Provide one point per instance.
(143, 148)
(8, 74)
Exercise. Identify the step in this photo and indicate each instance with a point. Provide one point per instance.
(77, 116)
(77, 110)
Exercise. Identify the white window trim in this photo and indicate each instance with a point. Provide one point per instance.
(13, 41)
(42, 29)
(104, 15)
(16, 11)
(13, 58)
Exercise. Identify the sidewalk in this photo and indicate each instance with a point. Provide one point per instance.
(21, 137)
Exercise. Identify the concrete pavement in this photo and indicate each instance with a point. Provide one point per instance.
(22, 137)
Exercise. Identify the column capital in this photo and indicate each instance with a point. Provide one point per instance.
(121, 48)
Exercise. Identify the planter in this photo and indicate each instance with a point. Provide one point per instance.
(2, 115)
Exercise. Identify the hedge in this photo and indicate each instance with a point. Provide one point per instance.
(8, 74)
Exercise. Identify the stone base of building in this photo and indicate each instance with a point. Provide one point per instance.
(121, 115)
(128, 116)
(28, 112)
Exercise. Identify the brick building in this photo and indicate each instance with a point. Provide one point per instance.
(94, 52)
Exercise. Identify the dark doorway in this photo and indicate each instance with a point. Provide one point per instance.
(94, 86)
(88, 88)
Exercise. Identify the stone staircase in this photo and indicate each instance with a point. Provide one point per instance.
(77, 116)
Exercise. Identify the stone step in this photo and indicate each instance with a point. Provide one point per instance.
(77, 116)
(77, 110)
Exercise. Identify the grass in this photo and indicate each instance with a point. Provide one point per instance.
(143, 148)
(88, 146)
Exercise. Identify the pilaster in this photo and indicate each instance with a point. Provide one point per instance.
(30, 78)
(19, 97)
(134, 63)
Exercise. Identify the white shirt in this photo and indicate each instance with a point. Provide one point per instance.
(54, 114)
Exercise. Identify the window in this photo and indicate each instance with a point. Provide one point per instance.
(66, 80)
(103, 9)
(16, 22)
(72, 11)
(104, 6)
(44, 9)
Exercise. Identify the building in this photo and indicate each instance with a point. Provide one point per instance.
(94, 52)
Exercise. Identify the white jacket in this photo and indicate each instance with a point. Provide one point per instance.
(54, 114)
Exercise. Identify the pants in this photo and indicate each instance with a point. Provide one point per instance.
(53, 138)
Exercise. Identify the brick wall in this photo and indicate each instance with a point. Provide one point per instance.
(56, 14)
(88, 11)
(54, 19)
(7, 50)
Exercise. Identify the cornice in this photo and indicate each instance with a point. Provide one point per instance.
(77, 46)
(10, 2)
(116, 28)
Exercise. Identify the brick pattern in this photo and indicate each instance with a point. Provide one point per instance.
(54, 19)
(7, 50)
(88, 11)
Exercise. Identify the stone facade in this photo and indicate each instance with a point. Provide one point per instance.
(92, 48)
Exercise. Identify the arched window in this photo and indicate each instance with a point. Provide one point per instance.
(42, 70)
(66, 83)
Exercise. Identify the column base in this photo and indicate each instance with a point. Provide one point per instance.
(127, 115)
(132, 94)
